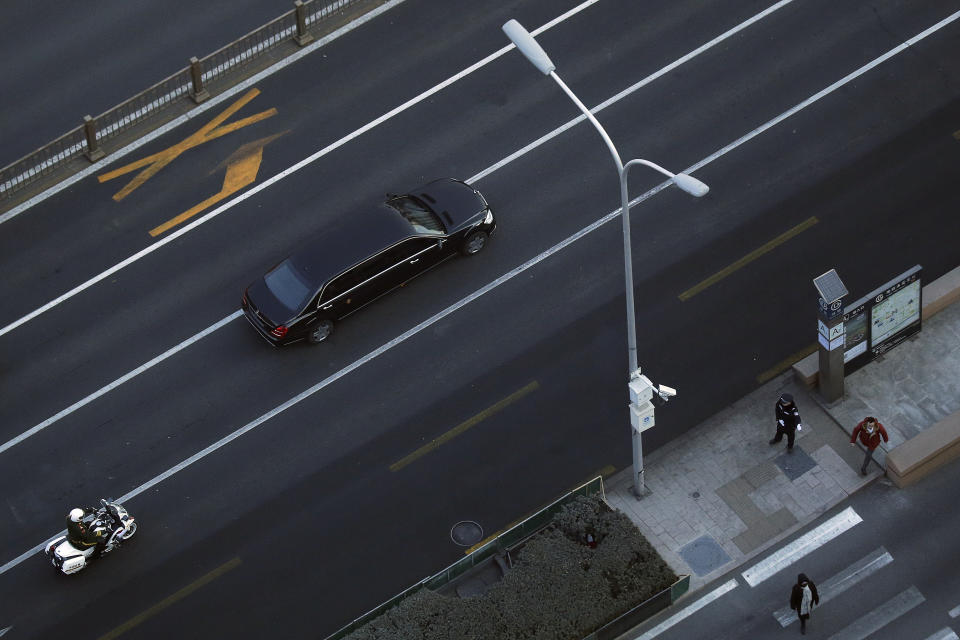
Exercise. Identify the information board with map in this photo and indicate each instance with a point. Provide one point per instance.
(895, 313)
(882, 319)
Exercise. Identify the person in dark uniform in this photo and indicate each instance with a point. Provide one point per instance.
(788, 420)
(80, 533)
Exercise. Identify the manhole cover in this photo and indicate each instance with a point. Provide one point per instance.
(704, 555)
(466, 533)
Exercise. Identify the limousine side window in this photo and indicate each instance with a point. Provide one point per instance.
(365, 270)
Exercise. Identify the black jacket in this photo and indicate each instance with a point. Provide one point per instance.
(80, 534)
(790, 415)
(796, 595)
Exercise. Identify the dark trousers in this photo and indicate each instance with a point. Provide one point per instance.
(791, 434)
(803, 621)
(866, 461)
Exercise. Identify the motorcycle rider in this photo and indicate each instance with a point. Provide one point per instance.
(82, 534)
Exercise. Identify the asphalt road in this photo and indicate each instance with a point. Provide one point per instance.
(910, 593)
(300, 517)
(64, 60)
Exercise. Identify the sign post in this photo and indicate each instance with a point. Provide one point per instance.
(830, 334)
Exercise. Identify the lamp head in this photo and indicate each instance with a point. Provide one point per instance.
(529, 47)
(691, 185)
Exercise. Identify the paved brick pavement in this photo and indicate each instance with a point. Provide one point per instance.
(720, 494)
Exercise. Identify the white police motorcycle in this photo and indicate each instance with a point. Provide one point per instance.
(111, 519)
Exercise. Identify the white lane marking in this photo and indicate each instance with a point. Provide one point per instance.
(881, 616)
(723, 151)
(632, 88)
(944, 634)
(28, 554)
(954, 612)
(530, 263)
(349, 368)
(280, 176)
(835, 585)
(4, 631)
(196, 111)
(475, 178)
(833, 87)
(727, 586)
(119, 381)
(808, 542)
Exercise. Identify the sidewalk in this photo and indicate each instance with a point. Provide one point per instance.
(720, 495)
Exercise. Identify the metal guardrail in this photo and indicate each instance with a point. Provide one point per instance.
(646, 609)
(186, 83)
(505, 540)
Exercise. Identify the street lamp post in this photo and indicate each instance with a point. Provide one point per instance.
(532, 50)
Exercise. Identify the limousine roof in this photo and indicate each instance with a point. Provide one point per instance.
(350, 240)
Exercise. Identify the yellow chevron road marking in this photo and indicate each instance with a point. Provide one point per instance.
(242, 169)
(210, 131)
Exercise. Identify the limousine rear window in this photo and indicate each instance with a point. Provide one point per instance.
(288, 285)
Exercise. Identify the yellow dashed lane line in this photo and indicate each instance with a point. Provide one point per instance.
(463, 426)
(747, 259)
(169, 600)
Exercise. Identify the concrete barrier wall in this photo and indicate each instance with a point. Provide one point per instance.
(925, 452)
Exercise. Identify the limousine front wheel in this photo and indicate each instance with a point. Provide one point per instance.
(321, 331)
(474, 243)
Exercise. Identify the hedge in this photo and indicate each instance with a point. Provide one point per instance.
(588, 566)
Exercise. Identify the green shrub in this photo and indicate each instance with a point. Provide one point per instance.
(560, 588)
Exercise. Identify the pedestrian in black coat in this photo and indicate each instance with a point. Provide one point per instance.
(788, 420)
(802, 598)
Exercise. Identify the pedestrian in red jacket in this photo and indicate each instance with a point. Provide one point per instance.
(870, 431)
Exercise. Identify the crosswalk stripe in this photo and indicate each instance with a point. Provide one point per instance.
(835, 585)
(944, 634)
(881, 616)
(729, 585)
(955, 611)
(800, 547)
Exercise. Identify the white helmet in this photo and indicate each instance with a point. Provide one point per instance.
(76, 515)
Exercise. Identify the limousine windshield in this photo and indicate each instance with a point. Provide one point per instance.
(418, 214)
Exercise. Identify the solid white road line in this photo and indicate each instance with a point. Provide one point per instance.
(119, 381)
(280, 176)
(197, 110)
(833, 87)
(475, 178)
(632, 89)
(530, 263)
(687, 611)
(810, 541)
(835, 585)
(881, 616)
(610, 216)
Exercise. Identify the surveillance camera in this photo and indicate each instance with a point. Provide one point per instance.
(666, 392)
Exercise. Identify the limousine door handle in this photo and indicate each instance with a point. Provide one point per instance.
(329, 306)
(414, 261)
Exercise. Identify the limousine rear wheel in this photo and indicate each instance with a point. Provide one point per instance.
(321, 331)
(474, 243)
